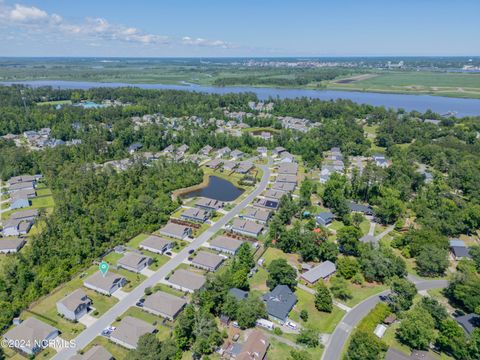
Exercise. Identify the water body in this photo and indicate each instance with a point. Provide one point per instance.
(218, 189)
(439, 104)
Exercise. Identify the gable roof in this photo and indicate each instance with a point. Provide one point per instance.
(30, 331)
(256, 213)
(174, 229)
(75, 299)
(209, 203)
(11, 244)
(255, 348)
(156, 242)
(205, 258)
(321, 271)
(24, 214)
(280, 301)
(187, 279)
(238, 294)
(246, 225)
(104, 282)
(226, 242)
(132, 259)
(130, 329)
(164, 303)
(97, 352)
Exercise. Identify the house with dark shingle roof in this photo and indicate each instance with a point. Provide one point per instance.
(324, 218)
(361, 208)
(185, 280)
(322, 271)
(129, 331)
(226, 244)
(133, 261)
(279, 302)
(105, 284)
(165, 305)
(208, 261)
(209, 204)
(468, 322)
(156, 244)
(74, 305)
(195, 215)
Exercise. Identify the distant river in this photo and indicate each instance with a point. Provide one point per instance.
(439, 104)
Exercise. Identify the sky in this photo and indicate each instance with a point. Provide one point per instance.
(231, 28)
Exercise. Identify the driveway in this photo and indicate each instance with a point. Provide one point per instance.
(86, 336)
(120, 294)
(87, 320)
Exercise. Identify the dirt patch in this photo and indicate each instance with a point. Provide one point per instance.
(355, 78)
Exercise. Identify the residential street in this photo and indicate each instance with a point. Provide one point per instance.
(131, 298)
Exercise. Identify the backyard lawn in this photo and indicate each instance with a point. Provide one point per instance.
(361, 293)
(258, 280)
(279, 350)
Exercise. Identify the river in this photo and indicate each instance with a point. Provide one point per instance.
(439, 104)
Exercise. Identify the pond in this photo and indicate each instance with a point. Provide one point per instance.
(218, 189)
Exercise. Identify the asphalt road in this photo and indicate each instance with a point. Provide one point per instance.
(334, 346)
(90, 333)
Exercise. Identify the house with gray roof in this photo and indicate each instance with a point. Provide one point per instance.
(195, 215)
(229, 165)
(11, 245)
(165, 305)
(28, 336)
(287, 178)
(255, 348)
(246, 227)
(129, 331)
(207, 260)
(214, 163)
(185, 280)
(134, 262)
(287, 168)
(325, 218)
(223, 152)
(279, 302)
(361, 208)
(244, 167)
(284, 186)
(73, 306)
(176, 231)
(256, 214)
(105, 284)
(225, 244)
(28, 185)
(207, 149)
(22, 178)
(156, 244)
(236, 154)
(238, 294)
(274, 194)
(96, 352)
(16, 227)
(209, 204)
(458, 249)
(278, 150)
(322, 271)
(266, 203)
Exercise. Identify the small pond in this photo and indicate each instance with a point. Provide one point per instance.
(218, 189)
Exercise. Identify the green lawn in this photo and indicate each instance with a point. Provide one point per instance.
(273, 253)
(44, 202)
(336, 225)
(259, 279)
(361, 293)
(279, 350)
(167, 289)
(112, 258)
(365, 226)
(43, 191)
(132, 278)
(55, 102)
(135, 242)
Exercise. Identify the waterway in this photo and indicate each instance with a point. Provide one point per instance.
(218, 189)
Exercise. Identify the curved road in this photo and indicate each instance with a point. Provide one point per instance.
(334, 346)
(90, 333)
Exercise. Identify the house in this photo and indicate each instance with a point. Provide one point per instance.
(229, 165)
(19, 203)
(129, 331)
(176, 231)
(468, 322)
(246, 227)
(360, 208)
(266, 203)
(322, 271)
(236, 154)
(22, 178)
(287, 178)
(27, 185)
(73, 306)
(278, 150)
(238, 293)
(16, 227)
(11, 245)
(256, 214)
(274, 194)
(244, 167)
(156, 244)
(280, 301)
(134, 262)
(134, 147)
(96, 352)
(105, 284)
(287, 168)
(183, 149)
(25, 215)
(225, 244)
(29, 335)
(284, 186)
(286, 157)
(214, 163)
(380, 160)
(208, 261)
(195, 215)
(165, 305)
(324, 218)
(223, 152)
(207, 149)
(209, 204)
(262, 151)
(458, 249)
(393, 354)
(255, 348)
(185, 280)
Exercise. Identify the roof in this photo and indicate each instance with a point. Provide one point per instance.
(97, 352)
(274, 194)
(74, 299)
(246, 225)
(457, 242)
(468, 322)
(210, 203)
(187, 279)
(24, 214)
(226, 242)
(393, 354)
(325, 217)
(104, 282)
(367, 209)
(21, 185)
(155, 242)
(195, 213)
(238, 294)
(287, 178)
(130, 329)
(30, 331)
(288, 168)
(460, 251)
(280, 301)
(256, 213)
(271, 204)
(175, 229)
(321, 271)
(21, 178)
(207, 259)
(11, 244)
(164, 303)
(255, 348)
(22, 194)
(132, 259)
(284, 186)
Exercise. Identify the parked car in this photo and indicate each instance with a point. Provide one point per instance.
(235, 324)
(191, 251)
(291, 325)
(140, 302)
(168, 253)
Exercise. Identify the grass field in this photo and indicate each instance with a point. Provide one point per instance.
(279, 350)
(58, 102)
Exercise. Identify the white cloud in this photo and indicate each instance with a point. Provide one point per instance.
(27, 13)
(187, 40)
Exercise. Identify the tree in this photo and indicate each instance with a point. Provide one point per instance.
(304, 315)
(432, 261)
(474, 252)
(281, 273)
(308, 337)
(464, 290)
(357, 219)
(230, 306)
(339, 288)
(150, 348)
(249, 311)
(435, 309)
(451, 339)
(347, 266)
(348, 240)
(328, 251)
(299, 355)
(403, 292)
(323, 298)
(417, 329)
(389, 207)
(365, 346)
(244, 257)
(381, 264)
(474, 344)
(334, 194)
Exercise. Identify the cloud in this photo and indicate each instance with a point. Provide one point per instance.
(91, 29)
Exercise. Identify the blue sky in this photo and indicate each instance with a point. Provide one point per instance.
(239, 27)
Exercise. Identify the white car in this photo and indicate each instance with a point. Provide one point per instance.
(291, 325)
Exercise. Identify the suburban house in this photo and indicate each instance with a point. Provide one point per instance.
(394, 354)
(229, 165)
(265, 203)
(16, 227)
(246, 227)
(324, 218)
(468, 322)
(134, 147)
(185, 280)
(360, 208)
(225, 244)
(256, 214)
(236, 154)
(262, 150)
(28, 336)
(380, 160)
(286, 157)
(284, 186)
(280, 301)
(96, 352)
(207, 260)
(458, 249)
(287, 178)
(11, 245)
(255, 348)
(20, 186)
(165, 305)
(195, 215)
(21, 199)
(238, 294)
(74, 305)
(176, 231)
(244, 167)
(156, 244)
(223, 152)
(214, 163)
(22, 178)
(105, 284)
(207, 149)
(209, 204)
(278, 150)
(25, 215)
(322, 271)
(133, 261)
(129, 331)
(274, 194)
(287, 168)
